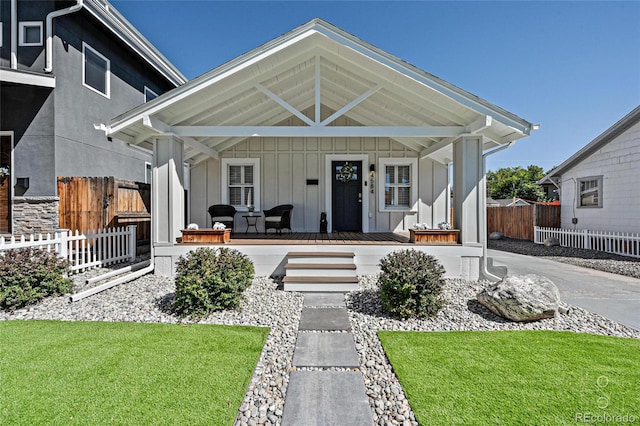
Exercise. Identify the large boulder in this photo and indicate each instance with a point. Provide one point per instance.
(522, 298)
(551, 242)
(495, 235)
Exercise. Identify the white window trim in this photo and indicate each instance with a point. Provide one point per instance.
(224, 180)
(600, 191)
(150, 166)
(147, 90)
(413, 165)
(0, 34)
(21, 26)
(108, 71)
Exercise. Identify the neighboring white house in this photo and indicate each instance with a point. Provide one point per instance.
(278, 124)
(598, 185)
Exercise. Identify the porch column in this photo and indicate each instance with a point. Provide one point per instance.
(168, 190)
(467, 178)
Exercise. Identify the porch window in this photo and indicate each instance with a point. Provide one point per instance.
(590, 191)
(398, 184)
(241, 182)
(96, 71)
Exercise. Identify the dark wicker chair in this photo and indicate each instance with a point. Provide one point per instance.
(222, 213)
(278, 218)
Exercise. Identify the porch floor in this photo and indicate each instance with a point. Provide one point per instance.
(315, 238)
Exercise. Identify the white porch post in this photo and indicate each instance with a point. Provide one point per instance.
(467, 203)
(168, 190)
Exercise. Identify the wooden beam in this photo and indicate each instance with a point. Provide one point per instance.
(155, 124)
(316, 131)
(436, 147)
(351, 104)
(284, 104)
(480, 124)
(199, 147)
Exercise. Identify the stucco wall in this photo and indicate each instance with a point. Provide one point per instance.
(287, 163)
(618, 162)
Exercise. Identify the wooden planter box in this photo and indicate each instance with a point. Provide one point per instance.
(434, 236)
(206, 236)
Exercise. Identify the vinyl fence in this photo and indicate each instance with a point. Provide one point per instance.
(625, 244)
(86, 250)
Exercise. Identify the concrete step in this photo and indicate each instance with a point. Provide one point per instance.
(320, 269)
(321, 284)
(323, 257)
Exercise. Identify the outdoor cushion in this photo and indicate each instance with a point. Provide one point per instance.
(222, 218)
(273, 219)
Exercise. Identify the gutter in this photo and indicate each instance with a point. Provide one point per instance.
(485, 271)
(14, 34)
(48, 68)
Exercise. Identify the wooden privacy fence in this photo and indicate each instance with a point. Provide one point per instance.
(622, 243)
(105, 202)
(83, 251)
(519, 221)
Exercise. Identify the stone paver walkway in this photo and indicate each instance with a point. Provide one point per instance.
(318, 396)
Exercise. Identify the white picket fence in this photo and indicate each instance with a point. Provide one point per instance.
(86, 250)
(625, 244)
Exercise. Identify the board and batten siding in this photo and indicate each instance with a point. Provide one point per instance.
(287, 163)
(618, 163)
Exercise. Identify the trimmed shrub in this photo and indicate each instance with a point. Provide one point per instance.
(210, 280)
(411, 284)
(28, 275)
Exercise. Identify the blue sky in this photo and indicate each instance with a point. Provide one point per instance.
(572, 67)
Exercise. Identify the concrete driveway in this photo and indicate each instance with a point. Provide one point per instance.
(616, 297)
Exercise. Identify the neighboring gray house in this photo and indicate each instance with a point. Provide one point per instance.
(65, 65)
(598, 184)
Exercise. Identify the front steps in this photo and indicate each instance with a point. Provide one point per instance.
(320, 272)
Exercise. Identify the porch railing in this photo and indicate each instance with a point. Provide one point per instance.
(625, 244)
(83, 250)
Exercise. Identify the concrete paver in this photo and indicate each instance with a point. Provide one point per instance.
(324, 300)
(326, 398)
(325, 350)
(324, 319)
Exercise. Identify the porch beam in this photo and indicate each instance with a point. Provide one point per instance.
(318, 101)
(480, 124)
(156, 125)
(283, 104)
(199, 147)
(329, 131)
(163, 128)
(436, 147)
(350, 105)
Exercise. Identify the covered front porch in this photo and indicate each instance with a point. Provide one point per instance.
(333, 126)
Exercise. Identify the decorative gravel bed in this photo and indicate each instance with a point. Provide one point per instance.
(602, 261)
(149, 298)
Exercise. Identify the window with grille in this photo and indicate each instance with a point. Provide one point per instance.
(241, 182)
(398, 183)
(590, 192)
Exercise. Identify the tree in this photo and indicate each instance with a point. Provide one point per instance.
(517, 182)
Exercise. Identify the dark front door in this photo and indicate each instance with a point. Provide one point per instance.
(346, 196)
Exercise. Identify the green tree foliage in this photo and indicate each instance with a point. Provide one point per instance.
(512, 182)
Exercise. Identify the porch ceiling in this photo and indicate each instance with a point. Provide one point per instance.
(300, 83)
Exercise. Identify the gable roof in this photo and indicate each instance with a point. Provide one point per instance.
(314, 65)
(607, 136)
(117, 24)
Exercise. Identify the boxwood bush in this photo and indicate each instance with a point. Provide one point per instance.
(209, 280)
(411, 284)
(28, 275)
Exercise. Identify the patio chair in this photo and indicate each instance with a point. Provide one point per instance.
(223, 213)
(278, 218)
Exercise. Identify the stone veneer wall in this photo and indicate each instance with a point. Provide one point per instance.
(35, 215)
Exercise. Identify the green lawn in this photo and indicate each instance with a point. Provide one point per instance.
(516, 377)
(94, 373)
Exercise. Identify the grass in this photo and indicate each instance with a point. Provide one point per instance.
(516, 377)
(95, 373)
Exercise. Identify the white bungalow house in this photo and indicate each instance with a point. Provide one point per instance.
(278, 124)
(596, 183)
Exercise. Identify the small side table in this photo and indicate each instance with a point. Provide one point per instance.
(252, 220)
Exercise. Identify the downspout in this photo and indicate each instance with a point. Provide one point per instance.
(48, 67)
(485, 270)
(14, 34)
